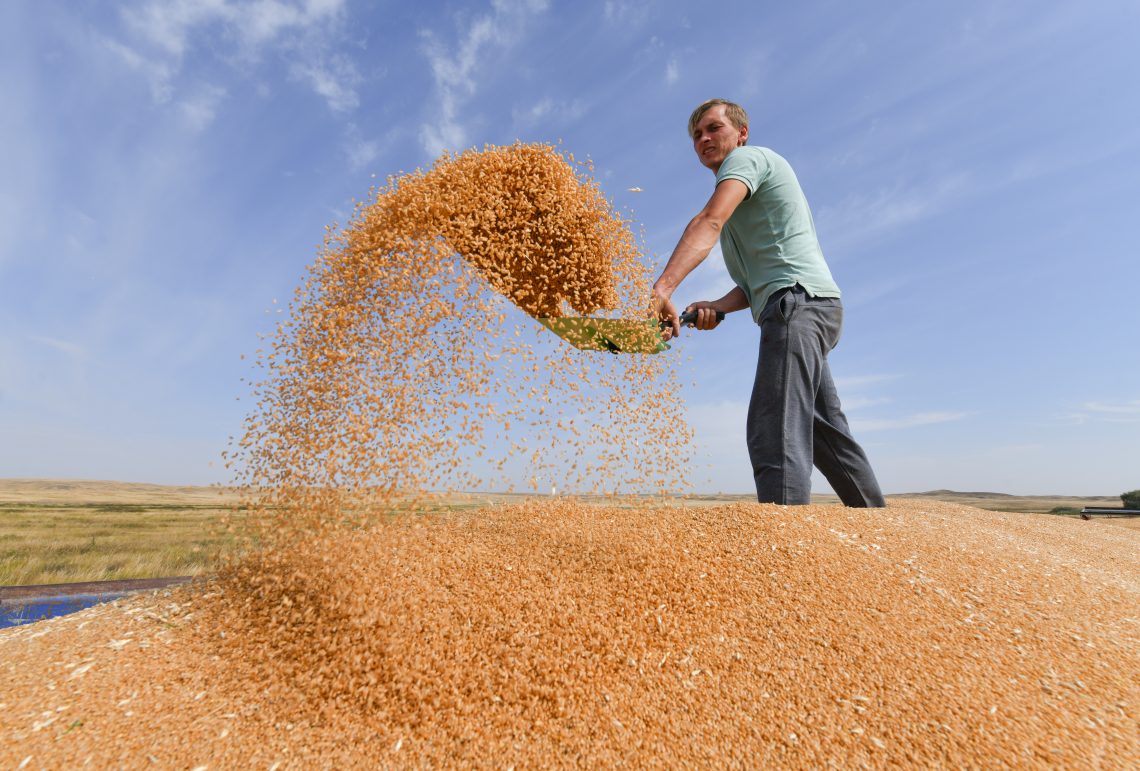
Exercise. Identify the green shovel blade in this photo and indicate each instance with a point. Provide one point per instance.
(613, 335)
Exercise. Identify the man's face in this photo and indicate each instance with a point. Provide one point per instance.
(715, 137)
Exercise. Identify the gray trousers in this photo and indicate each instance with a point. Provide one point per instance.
(794, 418)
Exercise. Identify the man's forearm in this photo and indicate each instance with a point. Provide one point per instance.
(696, 242)
(735, 300)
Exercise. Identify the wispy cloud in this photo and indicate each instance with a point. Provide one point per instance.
(626, 14)
(862, 393)
(548, 110)
(863, 292)
(163, 32)
(858, 381)
(362, 151)
(672, 72)
(1124, 408)
(754, 70)
(63, 346)
(158, 74)
(862, 217)
(168, 25)
(719, 436)
(1106, 412)
(907, 421)
(335, 79)
(857, 403)
(709, 280)
(199, 108)
(718, 422)
(454, 66)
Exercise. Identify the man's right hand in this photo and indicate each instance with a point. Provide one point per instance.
(666, 315)
(706, 315)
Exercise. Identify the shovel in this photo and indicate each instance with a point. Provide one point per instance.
(614, 335)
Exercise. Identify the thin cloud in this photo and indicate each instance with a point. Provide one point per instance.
(158, 74)
(863, 402)
(908, 421)
(362, 152)
(335, 79)
(1126, 408)
(865, 293)
(263, 21)
(864, 216)
(625, 14)
(672, 72)
(1107, 412)
(453, 67)
(168, 25)
(858, 381)
(165, 31)
(64, 346)
(708, 281)
(199, 110)
(557, 110)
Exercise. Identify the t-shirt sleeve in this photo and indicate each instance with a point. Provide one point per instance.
(748, 164)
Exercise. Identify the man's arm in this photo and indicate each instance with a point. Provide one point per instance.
(735, 300)
(696, 242)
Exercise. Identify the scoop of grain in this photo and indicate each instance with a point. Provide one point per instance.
(410, 362)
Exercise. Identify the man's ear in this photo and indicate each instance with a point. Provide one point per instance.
(743, 137)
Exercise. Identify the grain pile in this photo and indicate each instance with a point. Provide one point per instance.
(556, 634)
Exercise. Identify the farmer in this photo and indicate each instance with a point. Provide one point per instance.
(761, 217)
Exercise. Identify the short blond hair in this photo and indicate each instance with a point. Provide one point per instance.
(732, 111)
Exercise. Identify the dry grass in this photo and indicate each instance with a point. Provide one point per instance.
(59, 531)
(1024, 504)
(51, 545)
(42, 492)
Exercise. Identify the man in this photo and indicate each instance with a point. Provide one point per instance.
(762, 219)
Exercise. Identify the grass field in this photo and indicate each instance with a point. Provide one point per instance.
(60, 531)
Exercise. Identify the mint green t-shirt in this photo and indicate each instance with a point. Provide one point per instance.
(769, 242)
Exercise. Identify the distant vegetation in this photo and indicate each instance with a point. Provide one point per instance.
(1064, 510)
(64, 542)
(1131, 499)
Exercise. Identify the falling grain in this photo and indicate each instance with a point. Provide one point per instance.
(397, 373)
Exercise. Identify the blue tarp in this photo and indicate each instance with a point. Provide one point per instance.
(17, 612)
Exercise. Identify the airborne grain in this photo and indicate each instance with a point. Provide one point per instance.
(403, 371)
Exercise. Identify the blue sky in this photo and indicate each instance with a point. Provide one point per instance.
(168, 168)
